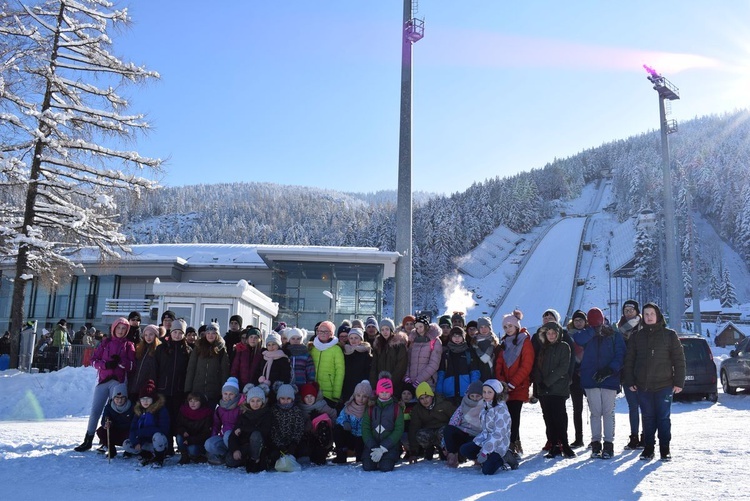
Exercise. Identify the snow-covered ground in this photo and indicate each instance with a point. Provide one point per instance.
(43, 416)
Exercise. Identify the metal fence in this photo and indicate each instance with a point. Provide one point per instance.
(53, 359)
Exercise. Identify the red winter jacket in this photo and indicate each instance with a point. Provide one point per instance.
(518, 374)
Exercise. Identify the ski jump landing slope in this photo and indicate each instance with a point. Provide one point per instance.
(547, 278)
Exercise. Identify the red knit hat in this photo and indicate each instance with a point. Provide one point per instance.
(595, 317)
(308, 389)
(148, 390)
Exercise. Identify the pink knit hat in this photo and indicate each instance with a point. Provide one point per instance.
(384, 385)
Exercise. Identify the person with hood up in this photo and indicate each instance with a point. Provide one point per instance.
(655, 368)
(113, 359)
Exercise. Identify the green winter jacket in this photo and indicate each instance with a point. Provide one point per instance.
(329, 367)
(551, 371)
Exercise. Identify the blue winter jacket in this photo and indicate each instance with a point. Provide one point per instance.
(456, 372)
(145, 425)
(600, 351)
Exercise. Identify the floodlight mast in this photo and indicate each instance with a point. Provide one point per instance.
(412, 32)
(675, 290)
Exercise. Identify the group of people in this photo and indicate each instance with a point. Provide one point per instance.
(377, 393)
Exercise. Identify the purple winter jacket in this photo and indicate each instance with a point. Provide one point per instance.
(108, 348)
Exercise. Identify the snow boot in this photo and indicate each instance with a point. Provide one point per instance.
(111, 451)
(547, 446)
(596, 450)
(146, 458)
(608, 451)
(510, 459)
(664, 452)
(554, 451)
(87, 442)
(256, 446)
(577, 444)
(641, 444)
(158, 461)
(341, 455)
(567, 452)
(102, 449)
(648, 453)
(632, 443)
(516, 448)
(453, 460)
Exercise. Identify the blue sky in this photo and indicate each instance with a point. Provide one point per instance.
(306, 92)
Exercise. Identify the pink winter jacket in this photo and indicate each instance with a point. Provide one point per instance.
(424, 358)
(109, 347)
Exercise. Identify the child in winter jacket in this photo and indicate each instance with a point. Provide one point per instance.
(251, 438)
(382, 427)
(150, 427)
(348, 430)
(193, 428)
(277, 368)
(465, 423)
(248, 358)
(303, 367)
(490, 446)
(225, 419)
(288, 424)
(320, 416)
(117, 418)
(425, 352)
(428, 419)
(407, 403)
(459, 366)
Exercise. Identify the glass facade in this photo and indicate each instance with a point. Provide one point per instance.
(308, 292)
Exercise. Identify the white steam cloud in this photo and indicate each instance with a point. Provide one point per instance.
(457, 297)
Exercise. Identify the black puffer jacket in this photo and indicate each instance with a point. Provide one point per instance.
(552, 368)
(655, 359)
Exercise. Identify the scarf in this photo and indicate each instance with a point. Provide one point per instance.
(121, 409)
(324, 346)
(201, 412)
(269, 357)
(512, 346)
(362, 348)
(457, 348)
(354, 409)
(484, 347)
(230, 404)
(316, 406)
(471, 411)
(296, 350)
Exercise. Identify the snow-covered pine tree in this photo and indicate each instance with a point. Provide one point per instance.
(62, 116)
(646, 264)
(728, 294)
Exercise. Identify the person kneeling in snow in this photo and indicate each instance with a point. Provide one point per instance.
(150, 427)
(117, 418)
(251, 438)
(382, 427)
(490, 447)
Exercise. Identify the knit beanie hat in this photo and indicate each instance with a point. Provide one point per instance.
(554, 313)
(423, 319)
(595, 317)
(256, 392)
(634, 304)
(580, 314)
(273, 337)
(134, 315)
(475, 388)
(308, 389)
(148, 390)
(343, 328)
(387, 322)
(295, 333)
(153, 329)
(458, 318)
(213, 326)
(511, 319)
(236, 318)
(253, 331)
(357, 332)
(472, 323)
(179, 325)
(363, 388)
(496, 385)
(424, 389)
(357, 323)
(457, 330)
(285, 391)
(444, 320)
(384, 385)
(408, 318)
(231, 385)
(119, 390)
(484, 322)
(370, 322)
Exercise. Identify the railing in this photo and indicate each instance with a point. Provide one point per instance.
(124, 306)
(53, 359)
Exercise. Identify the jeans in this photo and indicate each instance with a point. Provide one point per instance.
(493, 462)
(656, 409)
(192, 450)
(632, 398)
(217, 446)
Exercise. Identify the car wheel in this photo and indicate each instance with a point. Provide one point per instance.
(728, 389)
(712, 397)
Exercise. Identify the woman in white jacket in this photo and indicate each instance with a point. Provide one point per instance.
(490, 447)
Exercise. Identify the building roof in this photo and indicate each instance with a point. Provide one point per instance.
(622, 246)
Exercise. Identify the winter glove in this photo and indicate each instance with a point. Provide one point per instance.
(377, 453)
(481, 458)
(115, 358)
(110, 364)
(347, 426)
(602, 374)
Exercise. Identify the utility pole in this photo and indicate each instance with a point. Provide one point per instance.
(675, 290)
(412, 31)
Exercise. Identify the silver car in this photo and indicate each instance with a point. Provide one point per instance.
(735, 370)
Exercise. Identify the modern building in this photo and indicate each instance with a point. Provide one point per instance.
(210, 282)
